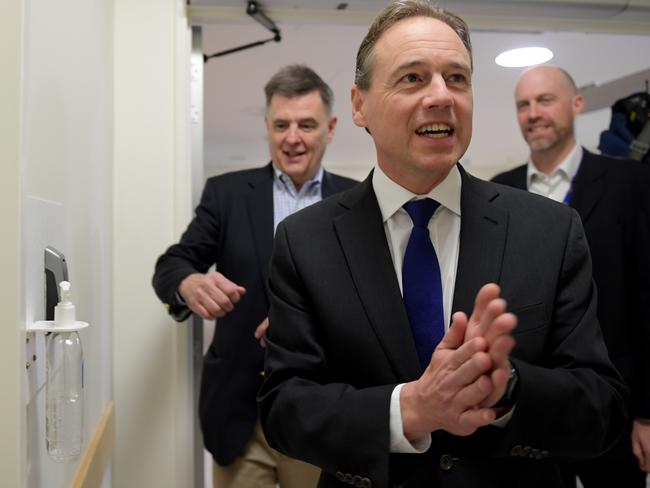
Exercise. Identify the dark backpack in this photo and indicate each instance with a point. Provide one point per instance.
(628, 135)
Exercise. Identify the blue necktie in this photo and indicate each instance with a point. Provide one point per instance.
(421, 282)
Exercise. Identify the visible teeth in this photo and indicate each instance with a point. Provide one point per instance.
(435, 130)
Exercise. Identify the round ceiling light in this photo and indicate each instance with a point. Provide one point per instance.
(525, 56)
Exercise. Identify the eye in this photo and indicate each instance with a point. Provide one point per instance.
(308, 125)
(280, 125)
(458, 78)
(411, 78)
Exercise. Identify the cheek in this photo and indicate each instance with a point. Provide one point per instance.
(275, 141)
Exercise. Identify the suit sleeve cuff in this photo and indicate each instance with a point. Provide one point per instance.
(398, 442)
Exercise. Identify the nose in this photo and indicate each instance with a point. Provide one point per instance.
(533, 111)
(293, 134)
(437, 94)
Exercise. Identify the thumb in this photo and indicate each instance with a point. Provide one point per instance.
(455, 336)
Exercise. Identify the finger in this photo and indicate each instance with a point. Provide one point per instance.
(499, 380)
(230, 289)
(494, 309)
(500, 351)
(471, 359)
(475, 393)
(211, 299)
(221, 299)
(502, 325)
(200, 311)
(638, 452)
(260, 329)
(472, 419)
(485, 295)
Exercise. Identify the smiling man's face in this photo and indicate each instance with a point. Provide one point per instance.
(419, 104)
(547, 105)
(298, 130)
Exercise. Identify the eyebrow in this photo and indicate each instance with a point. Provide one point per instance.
(300, 121)
(416, 63)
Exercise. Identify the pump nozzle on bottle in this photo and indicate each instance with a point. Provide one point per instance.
(64, 312)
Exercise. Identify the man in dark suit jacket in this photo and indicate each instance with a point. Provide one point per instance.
(344, 388)
(611, 197)
(233, 227)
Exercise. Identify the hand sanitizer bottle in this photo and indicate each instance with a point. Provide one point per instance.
(64, 387)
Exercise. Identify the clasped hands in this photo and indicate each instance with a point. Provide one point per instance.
(468, 372)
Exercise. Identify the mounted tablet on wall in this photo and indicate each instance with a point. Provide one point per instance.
(56, 271)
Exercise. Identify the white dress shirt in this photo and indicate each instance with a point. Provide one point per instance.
(444, 230)
(556, 185)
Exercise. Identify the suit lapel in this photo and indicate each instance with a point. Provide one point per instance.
(519, 177)
(589, 185)
(259, 206)
(329, 185)
(362, 238)
(482, 240)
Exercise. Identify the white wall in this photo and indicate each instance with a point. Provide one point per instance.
(92, 130)
(66, 159)
(151, 174)
(12, 356)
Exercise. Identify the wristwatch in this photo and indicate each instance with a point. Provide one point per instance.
(509, 398)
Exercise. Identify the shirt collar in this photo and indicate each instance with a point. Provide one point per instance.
(391, 196)
(281, 176)
(567, 168)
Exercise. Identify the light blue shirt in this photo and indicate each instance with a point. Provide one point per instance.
(286, 200)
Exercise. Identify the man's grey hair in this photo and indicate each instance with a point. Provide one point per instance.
(296, 80)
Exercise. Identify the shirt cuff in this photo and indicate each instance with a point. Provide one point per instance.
(398, 441)
(504, 419)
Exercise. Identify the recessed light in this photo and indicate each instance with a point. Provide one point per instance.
(525, 56)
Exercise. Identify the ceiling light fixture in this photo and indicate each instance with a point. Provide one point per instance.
(260, 17)
(525, 56)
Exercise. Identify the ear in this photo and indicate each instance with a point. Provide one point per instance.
(578, 104)
(358, 106)
(331, 126)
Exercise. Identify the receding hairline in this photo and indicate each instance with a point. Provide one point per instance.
(566, 77)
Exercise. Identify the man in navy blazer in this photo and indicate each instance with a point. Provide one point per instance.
(496, 406)
(612, 198)
(233, 227)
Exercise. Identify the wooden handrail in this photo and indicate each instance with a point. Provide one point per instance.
(90, 471)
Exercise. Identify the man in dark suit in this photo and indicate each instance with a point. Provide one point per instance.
(354, 382)
(233, 227)
(611, 197)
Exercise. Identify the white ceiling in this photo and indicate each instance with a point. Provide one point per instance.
(234, 99)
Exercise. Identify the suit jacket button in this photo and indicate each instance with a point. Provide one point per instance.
(340, 476)
(366, 483)
(516, 451)
(446, 462)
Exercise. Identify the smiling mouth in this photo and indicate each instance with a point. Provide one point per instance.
(435, 131)
(537, 128)
(294, 155)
